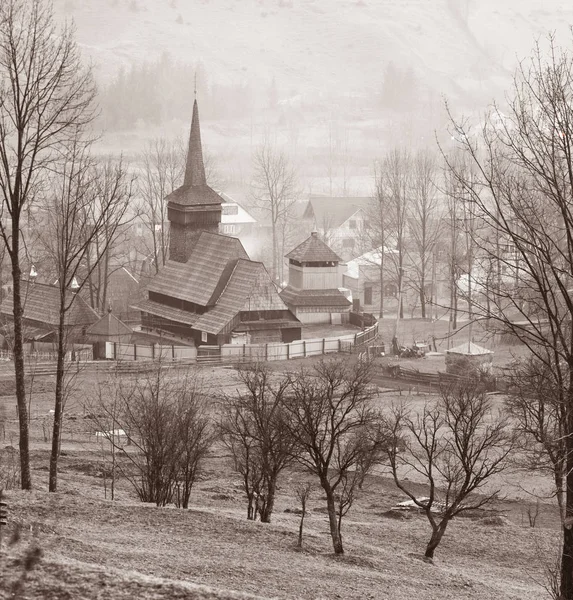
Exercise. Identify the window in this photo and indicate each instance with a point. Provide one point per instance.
(348, 243)
(228, 228)
(368, 294)
(230, 209)
(352, 224)
(204, 336)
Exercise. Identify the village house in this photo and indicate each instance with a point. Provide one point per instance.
(41, 304)
(209, 291)
(314, 291)
(341, 222)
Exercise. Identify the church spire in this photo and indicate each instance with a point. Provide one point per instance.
(195, 169)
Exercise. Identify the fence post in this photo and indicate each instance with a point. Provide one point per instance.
(244, 350)
(304, 348)
(134, 351)
(323, 345)
(266, 352)
(115, 351)
(173, 351)
(339, 344)
(153, 350)
(288, 351)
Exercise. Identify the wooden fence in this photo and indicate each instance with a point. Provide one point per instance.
(429, 381)
(286, 351)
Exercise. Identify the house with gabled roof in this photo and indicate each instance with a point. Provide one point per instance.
(41, 306)
(314, 291)
(340, 221)
(209, 291)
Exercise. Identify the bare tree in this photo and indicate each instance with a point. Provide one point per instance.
(70, 232)
(253, 428)
(163, 164)
(113, 188)
(534, 402)
(303, 492)
(328, 410)
(425, 219)
(454, 447)
(378, 235)
(45, 98)
(521, 188)
(165, 420)
(274, 189)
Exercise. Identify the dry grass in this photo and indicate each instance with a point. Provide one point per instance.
(95, 548)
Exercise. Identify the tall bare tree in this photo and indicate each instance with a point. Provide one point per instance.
(522, 190)
(45, 98)
(394, 184)
(377, 236)
(70, 232)
(425, 220)
(163, 164)
(275, 190)
(533, 400)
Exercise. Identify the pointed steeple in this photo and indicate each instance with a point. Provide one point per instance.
(195, 169)
(194, 207)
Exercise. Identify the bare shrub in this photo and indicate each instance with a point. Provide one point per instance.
(165, 421)
(253, 428)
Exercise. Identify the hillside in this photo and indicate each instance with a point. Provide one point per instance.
(462, 48)
(95, 548)
(335, 82)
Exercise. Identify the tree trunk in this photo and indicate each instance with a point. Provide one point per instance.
(423, 295)
(381, 316)
(437, 535)
(267, 511)
(566, 587)
(24, 442)
(333, 520)
(301, 525)
(275, 260)
(59, 400)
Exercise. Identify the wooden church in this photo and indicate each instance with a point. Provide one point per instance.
(209, 291)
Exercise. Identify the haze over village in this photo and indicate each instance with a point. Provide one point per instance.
(285, 299)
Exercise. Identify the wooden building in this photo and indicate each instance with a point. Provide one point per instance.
(41, 304)
(315, 278)
(209, 291)
(340, 222)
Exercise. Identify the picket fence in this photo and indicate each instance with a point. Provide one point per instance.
(241, 352)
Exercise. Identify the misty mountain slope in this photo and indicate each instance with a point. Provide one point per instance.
(463, 48)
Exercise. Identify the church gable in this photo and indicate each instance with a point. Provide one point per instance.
(263, 293)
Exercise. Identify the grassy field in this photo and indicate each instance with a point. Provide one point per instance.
(95, 548)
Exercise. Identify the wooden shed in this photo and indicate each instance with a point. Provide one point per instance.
(467, 356)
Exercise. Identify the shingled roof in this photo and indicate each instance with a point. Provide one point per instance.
(110, 328)
(200, 280)
(42, 303)
(330, 297)
(194, 190)
(248, 288)
(313, 249)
